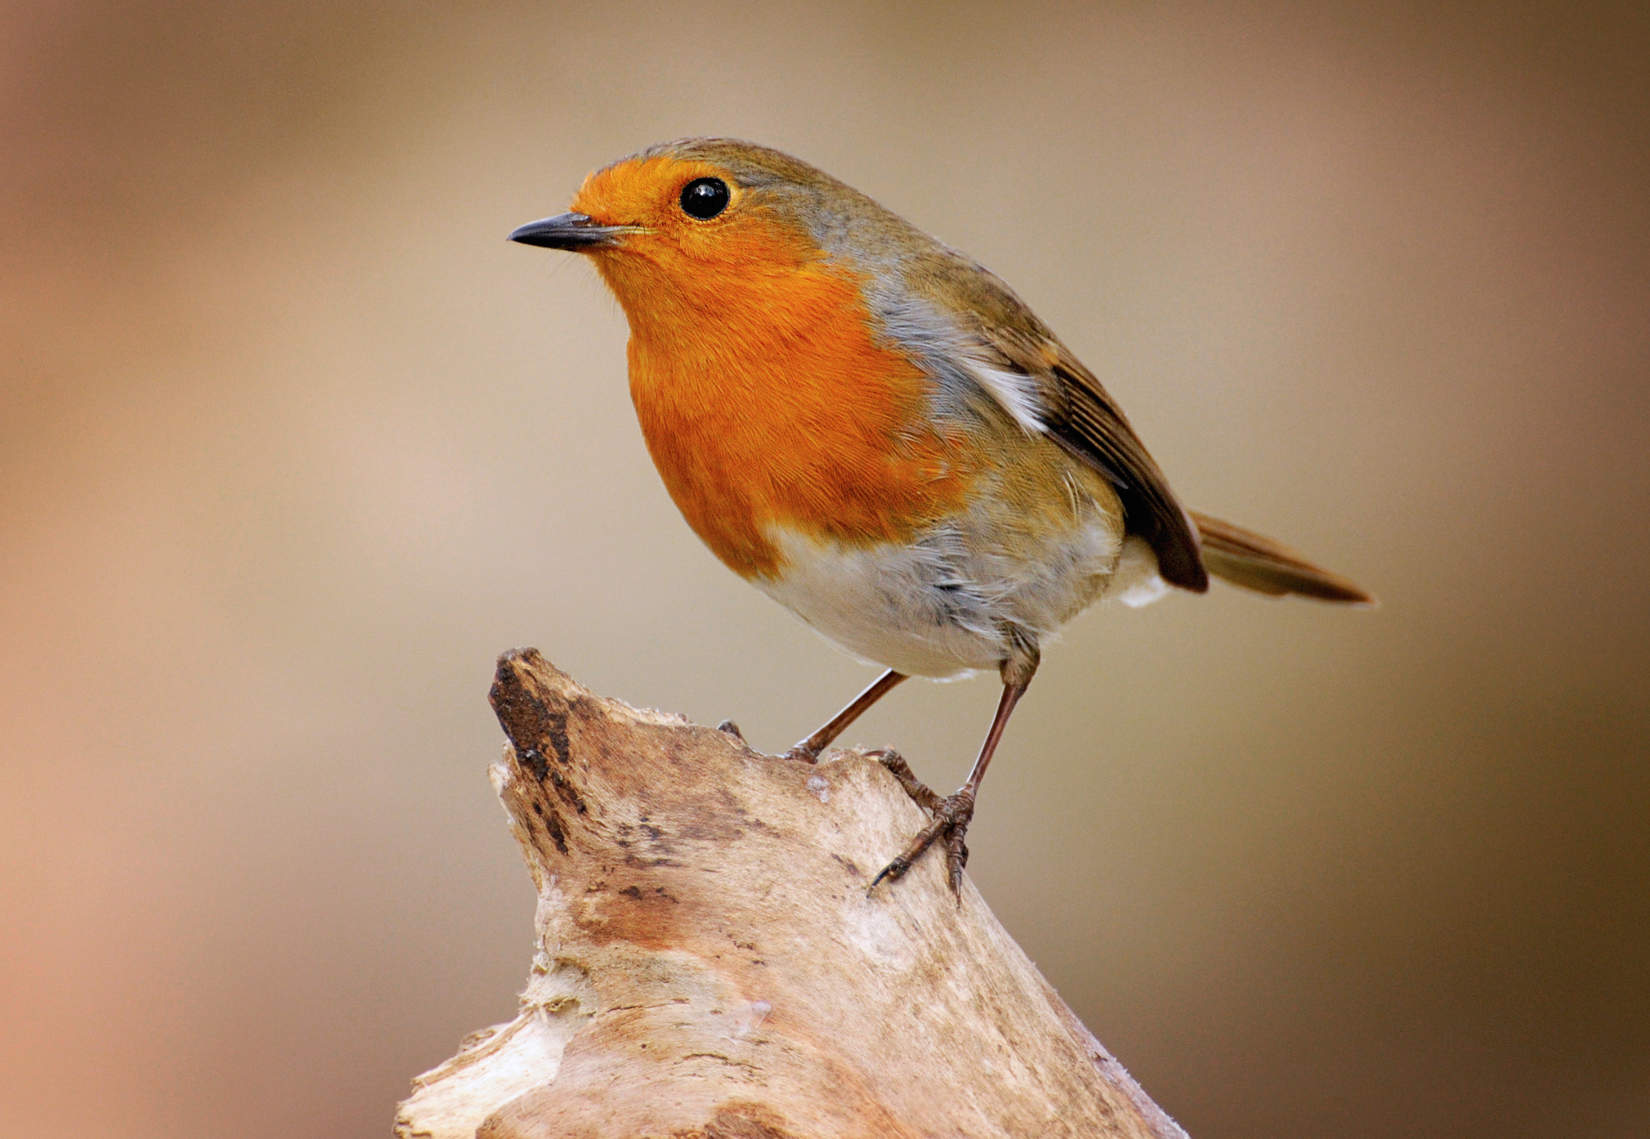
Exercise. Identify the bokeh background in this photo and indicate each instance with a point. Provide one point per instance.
(292, 443)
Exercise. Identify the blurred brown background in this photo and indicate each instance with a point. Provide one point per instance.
(292, 443)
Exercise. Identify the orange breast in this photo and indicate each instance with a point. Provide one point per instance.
(765, 399)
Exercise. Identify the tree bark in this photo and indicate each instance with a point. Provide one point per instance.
(711, 963)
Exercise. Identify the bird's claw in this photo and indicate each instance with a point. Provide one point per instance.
(915, 789)
(801, 753)
(948, 818)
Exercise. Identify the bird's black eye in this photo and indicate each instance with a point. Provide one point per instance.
(704, 198)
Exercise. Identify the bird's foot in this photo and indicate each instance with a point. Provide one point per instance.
(802, 753)
(918, 791)
(949, 817)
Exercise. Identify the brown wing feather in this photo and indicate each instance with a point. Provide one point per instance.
(1082, 417)
(1074, 408)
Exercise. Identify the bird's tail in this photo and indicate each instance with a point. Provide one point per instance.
(1256, 562)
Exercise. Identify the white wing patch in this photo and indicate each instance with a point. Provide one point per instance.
(1016, 391)
(957, 360)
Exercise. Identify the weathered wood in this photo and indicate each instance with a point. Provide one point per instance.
(710, 963)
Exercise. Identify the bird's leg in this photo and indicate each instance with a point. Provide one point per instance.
(808, 750)
(950, 816)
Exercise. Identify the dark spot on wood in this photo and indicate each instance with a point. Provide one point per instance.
(553, 825)
(847, 864)
(746, 1120)
(633, 861)
(535, 724)
(633, 892)
(555, 730)
(585, 708)
(569, 793)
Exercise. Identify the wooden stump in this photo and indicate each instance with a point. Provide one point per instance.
(711, 964)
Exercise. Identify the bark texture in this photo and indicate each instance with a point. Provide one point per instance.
(710, 963)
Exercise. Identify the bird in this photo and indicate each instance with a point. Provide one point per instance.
(877, 432)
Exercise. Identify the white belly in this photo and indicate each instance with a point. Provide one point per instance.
(945, 605)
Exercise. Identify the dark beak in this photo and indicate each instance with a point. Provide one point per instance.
(575, 232)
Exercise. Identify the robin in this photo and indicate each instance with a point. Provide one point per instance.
(878, 433)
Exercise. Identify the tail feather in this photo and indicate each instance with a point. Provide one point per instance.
(1256, 562)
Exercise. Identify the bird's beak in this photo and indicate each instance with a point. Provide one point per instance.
(576, 232)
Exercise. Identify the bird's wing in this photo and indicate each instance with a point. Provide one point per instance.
(1076, 411)
(959, 316)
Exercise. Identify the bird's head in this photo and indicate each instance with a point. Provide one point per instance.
(706, 224)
